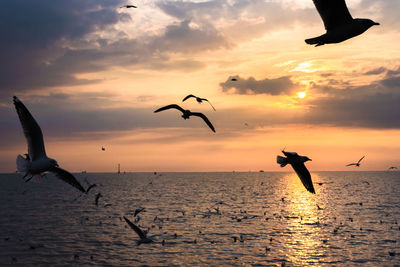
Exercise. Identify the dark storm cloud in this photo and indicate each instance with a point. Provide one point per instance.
(371, 106)
(278, 86)
(34, 34)
(48, 43)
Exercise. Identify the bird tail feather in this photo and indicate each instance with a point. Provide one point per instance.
(315, 41)
(22, 164)
(282, 161)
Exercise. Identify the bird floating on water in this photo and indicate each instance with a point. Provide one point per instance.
(297, 163)
(339, 23)
(357, 164)
(36, 163)
(187, 113)
(198, 99)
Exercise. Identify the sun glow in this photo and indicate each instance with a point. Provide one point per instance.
(301, 94)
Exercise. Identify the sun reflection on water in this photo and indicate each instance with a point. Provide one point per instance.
(303, 241)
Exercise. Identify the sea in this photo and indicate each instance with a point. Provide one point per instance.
(202, 219)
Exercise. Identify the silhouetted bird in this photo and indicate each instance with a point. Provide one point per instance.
(142, 235)
(90, 187)
(96, 201)
(103, 148)
(37, 163)
(392, 168)
(187, 114)
(198, 99)
(297, 163)
(128, 6)
(356, 164)
(339, 23)
(137, 211)
(234, 79)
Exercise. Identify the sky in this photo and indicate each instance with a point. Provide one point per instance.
(92, 73)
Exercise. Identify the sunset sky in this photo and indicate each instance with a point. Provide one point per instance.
(92, 74)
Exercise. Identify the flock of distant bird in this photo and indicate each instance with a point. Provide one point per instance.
(339, 25)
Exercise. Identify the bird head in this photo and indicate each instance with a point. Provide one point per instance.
(53, 162)
(368, 23)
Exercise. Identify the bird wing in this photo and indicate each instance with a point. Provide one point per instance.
(90, 187)
(333, 13)
(361, 159)
(188, 96)
(201, 115)
(139, 232)
(351, 164)
(67, 177)
(289, 154)
(208, 103)
(32, 131)
(304, 176)
(169, 107)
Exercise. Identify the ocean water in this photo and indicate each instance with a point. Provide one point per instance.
(353, 220)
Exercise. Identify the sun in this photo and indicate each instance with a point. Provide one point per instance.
(301, 94)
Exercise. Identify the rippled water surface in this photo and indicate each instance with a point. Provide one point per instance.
(354, 219)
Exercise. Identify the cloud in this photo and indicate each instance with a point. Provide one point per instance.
(278, 86)
(35, 34)
(377, 71)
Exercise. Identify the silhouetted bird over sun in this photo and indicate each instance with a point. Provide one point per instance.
(198, 99)
(297, 163)
(37, 163)
(339, 23)
(357, 164)
(187, 113)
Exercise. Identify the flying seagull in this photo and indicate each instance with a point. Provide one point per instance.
(297, 163)
(142, 235)
(103, 148)
(392, 168)
(339, 23)
(128, 6)
(36, 163)
(187, 113)
(198, 99)
(137, 211)
(356, 164)
(96, 201)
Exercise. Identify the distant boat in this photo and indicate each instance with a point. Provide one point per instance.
(261, 170)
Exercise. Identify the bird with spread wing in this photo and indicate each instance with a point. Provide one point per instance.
(297, 163)
(36, 163)
(199, 100)
(339, 23)
(187, 113)
(357, 164)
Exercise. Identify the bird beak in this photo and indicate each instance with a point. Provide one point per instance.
(310, 159)
(376, 23)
